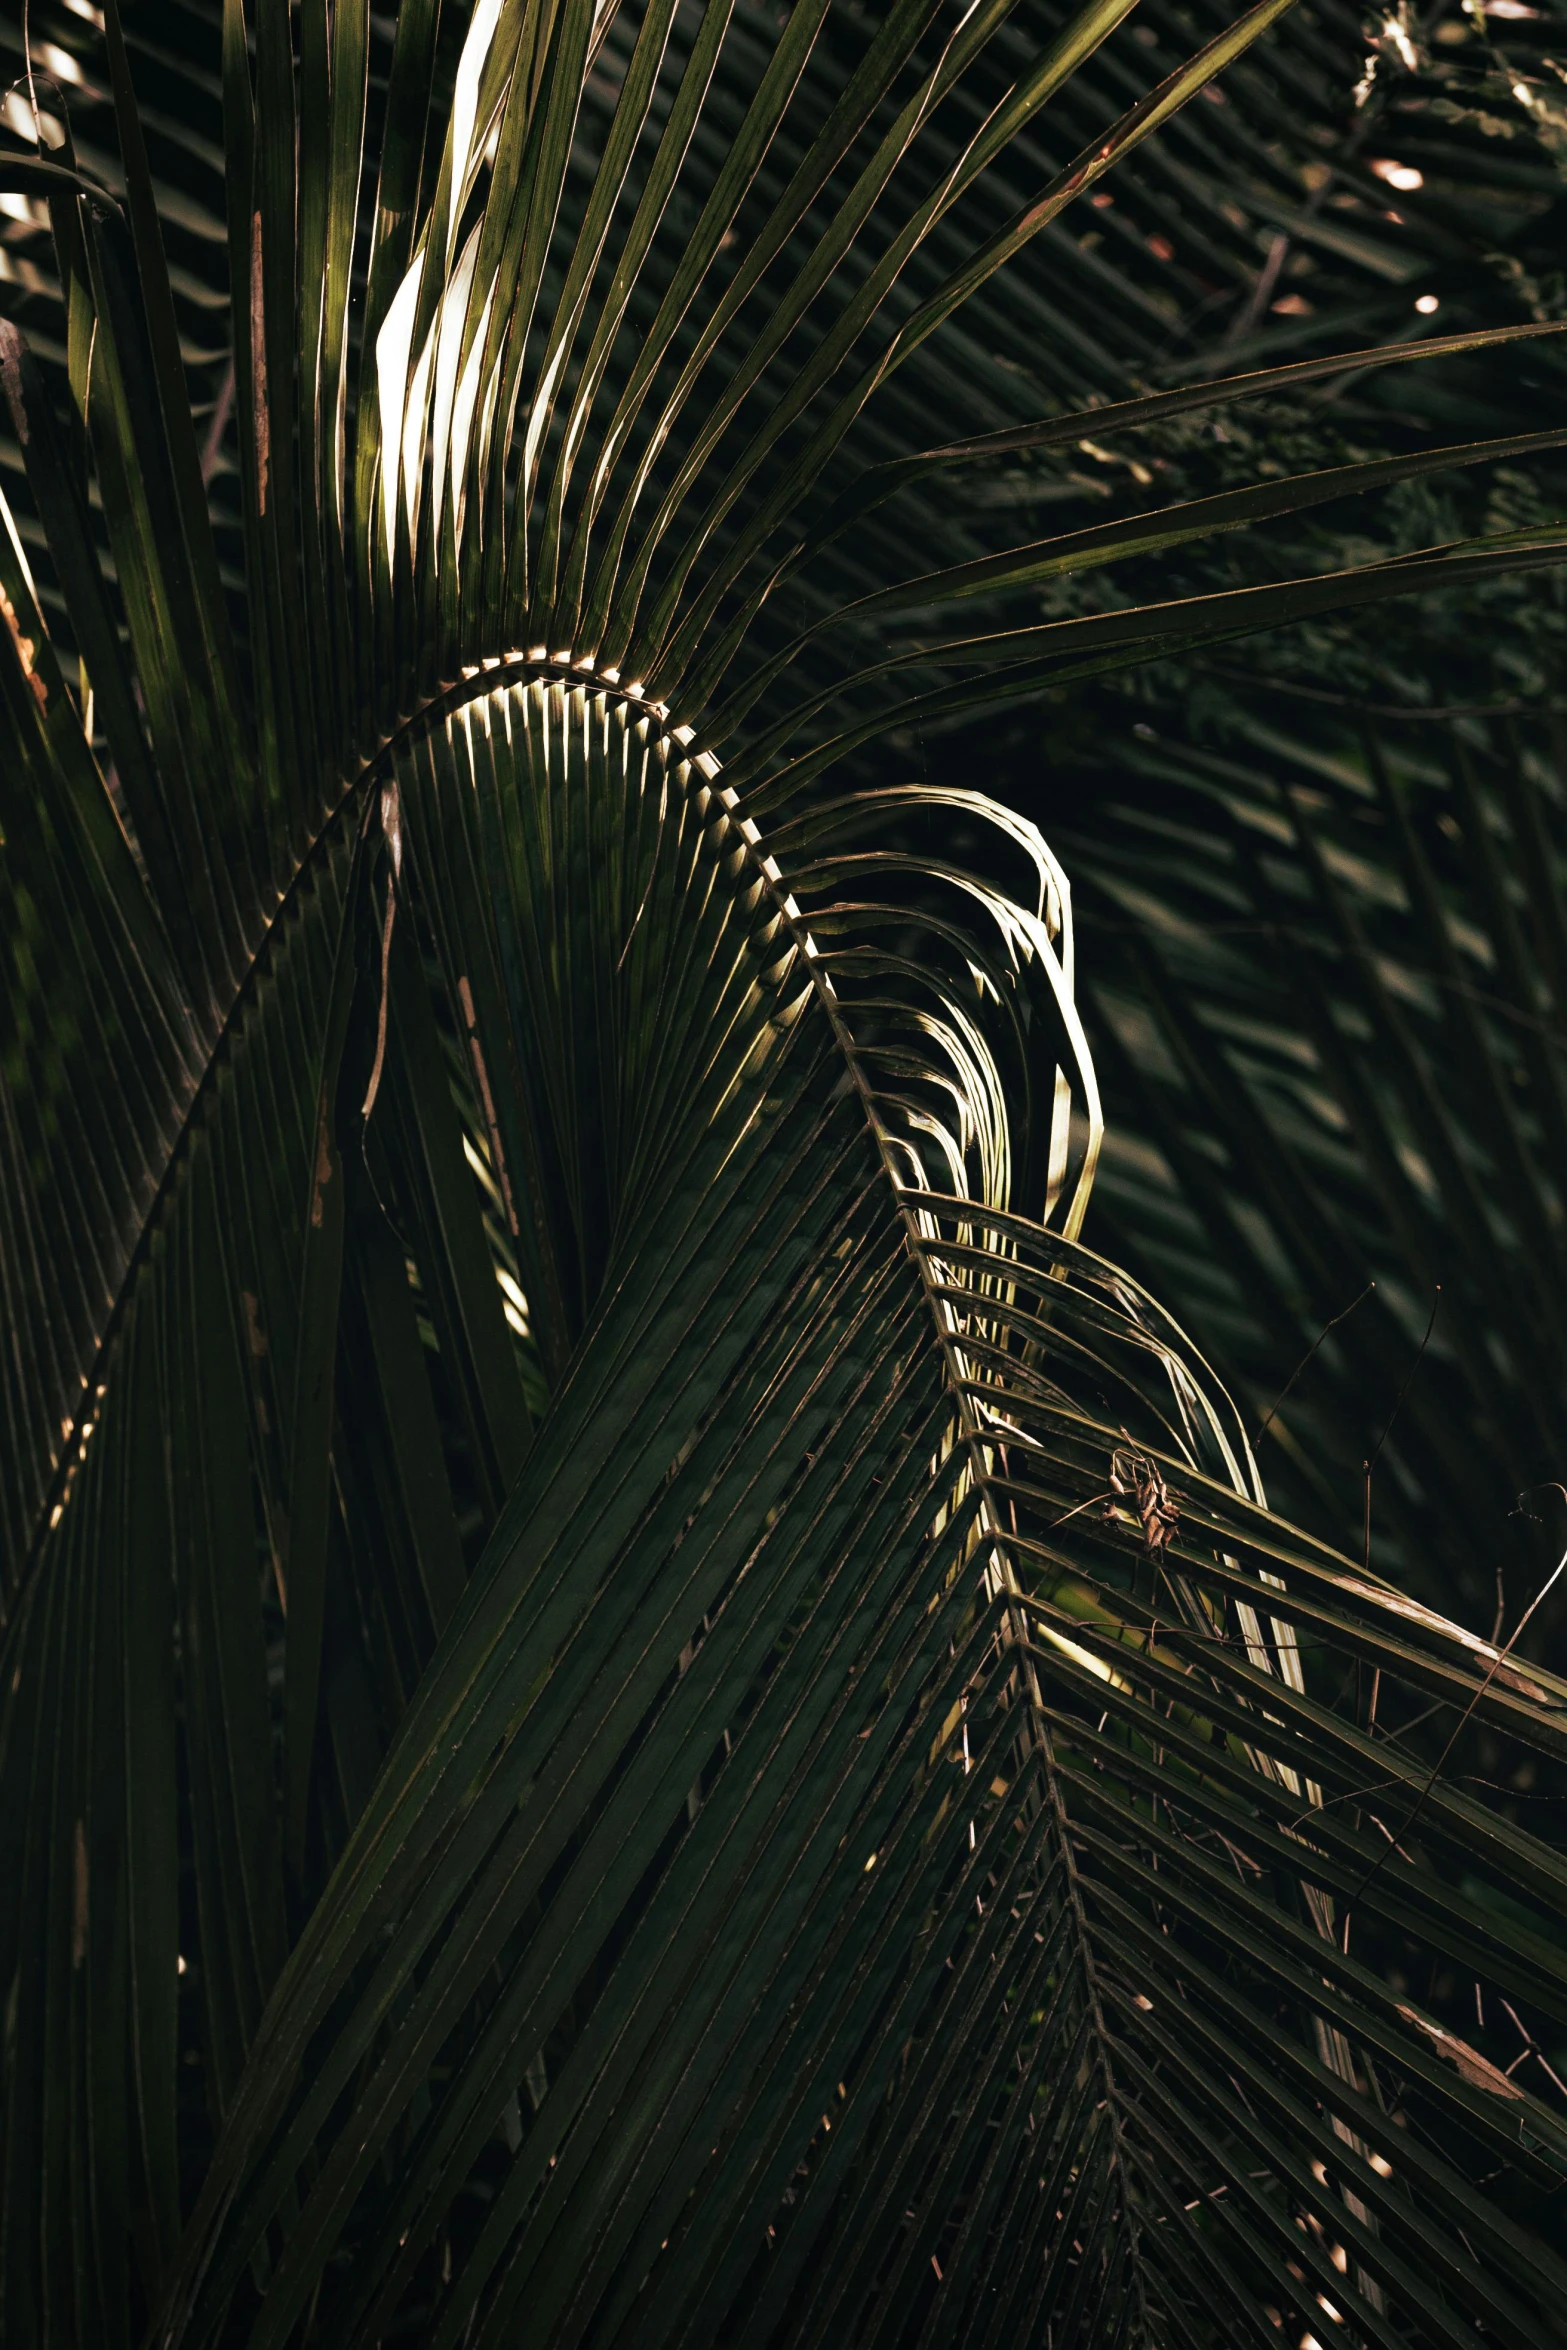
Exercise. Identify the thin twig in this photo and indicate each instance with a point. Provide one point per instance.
(1262, 292)
(1370, 1465)
(1531, 2047)
(1342, 1316)
(1404, 1390)
(1497, 1662)
(223, 408)
(1107, 1495)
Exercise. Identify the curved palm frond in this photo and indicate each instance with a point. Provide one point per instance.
(1340, 977)
(572, 1540)
(1329, 1061)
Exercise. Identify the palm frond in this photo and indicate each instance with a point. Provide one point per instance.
(582, 1529)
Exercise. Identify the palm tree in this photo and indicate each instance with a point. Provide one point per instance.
(641, 1702)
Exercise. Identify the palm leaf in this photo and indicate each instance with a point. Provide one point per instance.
(584, 1529)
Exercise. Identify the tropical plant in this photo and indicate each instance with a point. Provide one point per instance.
(641, 1703)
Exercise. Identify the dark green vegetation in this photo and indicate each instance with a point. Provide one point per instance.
(640, 1704)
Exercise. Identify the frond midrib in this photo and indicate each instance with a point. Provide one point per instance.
(977, 1447)
(477, 680)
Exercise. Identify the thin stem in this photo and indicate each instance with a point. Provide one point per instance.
(1498, 1661)
(1341, 1316)
(1370, 1465)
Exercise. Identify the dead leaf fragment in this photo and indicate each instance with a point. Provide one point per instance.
(26, 647)
(1476, 2069)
